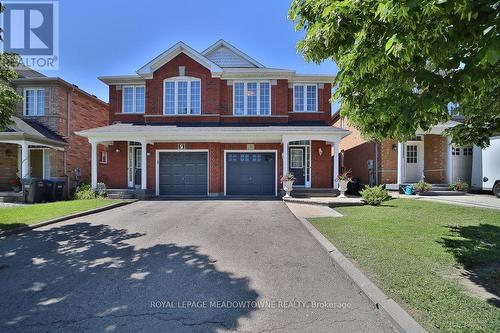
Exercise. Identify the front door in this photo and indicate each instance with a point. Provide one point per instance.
(414, 161)
(137, 166)
(298, 164)
(36, 163)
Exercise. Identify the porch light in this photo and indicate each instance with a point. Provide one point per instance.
(320, 151)
(394, 147)
(117, 150)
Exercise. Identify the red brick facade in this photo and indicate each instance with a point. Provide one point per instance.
(217, 110)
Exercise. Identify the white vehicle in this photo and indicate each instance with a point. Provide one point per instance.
(486, 167)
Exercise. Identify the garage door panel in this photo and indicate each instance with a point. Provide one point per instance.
(250, 173)
(183, 173)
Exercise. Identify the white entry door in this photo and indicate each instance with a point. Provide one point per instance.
(462, 163)
(414, 160)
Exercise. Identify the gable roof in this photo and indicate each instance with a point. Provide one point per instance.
(147, 70)
(226, 55)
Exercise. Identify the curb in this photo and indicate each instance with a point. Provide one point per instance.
(64, 218)
(400, 318)
(331, 204)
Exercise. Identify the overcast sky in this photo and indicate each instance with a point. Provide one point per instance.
(111, 37)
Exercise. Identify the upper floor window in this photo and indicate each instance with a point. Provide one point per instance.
(252, 98)
(305, 98)
(34, 102)
(182, 95)
(133, 99)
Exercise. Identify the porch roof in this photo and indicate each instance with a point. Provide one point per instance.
(32, 132)
(186, 133)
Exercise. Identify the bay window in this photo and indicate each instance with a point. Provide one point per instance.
(305, 98)
(133, 99)
(34, 102)
(182, 95)
(252, 98)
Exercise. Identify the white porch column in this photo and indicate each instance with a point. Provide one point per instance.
(335, 164)
(144, 165)
(285, 156)
(449, 162)
(93, 169)
(25, 160)
(400, 163)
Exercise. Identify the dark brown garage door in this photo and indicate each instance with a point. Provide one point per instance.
(183, 173)
(250, 173)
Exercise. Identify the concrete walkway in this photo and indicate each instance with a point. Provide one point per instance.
(469, 200)
(179, 266)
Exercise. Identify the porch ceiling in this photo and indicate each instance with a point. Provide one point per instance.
(250, 134)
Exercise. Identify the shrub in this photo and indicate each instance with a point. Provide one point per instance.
(375, 195)
(421, 186)
(84, 192)
(101, 190)
(460, 186)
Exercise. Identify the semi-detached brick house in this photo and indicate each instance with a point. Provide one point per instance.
(428, 156)
(215, 123)
(41, 140)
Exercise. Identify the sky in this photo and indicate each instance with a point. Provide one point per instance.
(111, 37)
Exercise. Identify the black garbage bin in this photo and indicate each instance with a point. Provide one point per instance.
(48, 194)
(353, 187)
(33, 190)
(54, 189)
(58, 189)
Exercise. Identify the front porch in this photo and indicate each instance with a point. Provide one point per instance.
(212, 161)
(28, 150)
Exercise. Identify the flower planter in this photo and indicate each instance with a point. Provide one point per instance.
(288, 187)
(343, 188)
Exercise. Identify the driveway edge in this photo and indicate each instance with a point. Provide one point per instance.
(64, 218)
(403, 321)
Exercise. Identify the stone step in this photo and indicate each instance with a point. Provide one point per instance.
(125, 193)
(441, 193)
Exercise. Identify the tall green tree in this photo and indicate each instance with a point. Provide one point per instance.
(8, 95)
(404, 64)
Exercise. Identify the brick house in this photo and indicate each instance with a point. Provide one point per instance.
(428, 156)
(215, 123)
(41, 140)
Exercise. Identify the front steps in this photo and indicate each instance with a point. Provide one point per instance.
(127, 193)
(302, 192)
(436, 190)
(11, 196)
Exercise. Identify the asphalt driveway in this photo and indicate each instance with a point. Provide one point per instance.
(178, 266)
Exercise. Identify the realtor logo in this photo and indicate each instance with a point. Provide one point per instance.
(31, 29)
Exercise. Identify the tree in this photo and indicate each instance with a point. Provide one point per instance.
(8, 96)
(404, 64)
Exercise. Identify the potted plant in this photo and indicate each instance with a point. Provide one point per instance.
(15, 184)
(421, 187)
(460, 186)
(288, 181)
(343, 179)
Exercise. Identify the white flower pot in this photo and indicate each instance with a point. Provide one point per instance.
(288, 187)
(343, 188)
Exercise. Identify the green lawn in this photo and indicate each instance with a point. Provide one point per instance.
(413, 250)
(13, 217)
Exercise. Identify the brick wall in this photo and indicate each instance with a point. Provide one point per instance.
(321, 165)
(435, 158)
(114, 174)
(388, 162)
(356, 153)
(8, 165)
(85, 113)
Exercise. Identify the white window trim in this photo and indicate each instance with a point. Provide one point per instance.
(36, 89)
(134, 87)
(176, 79)
(305, 85)
(245, 102)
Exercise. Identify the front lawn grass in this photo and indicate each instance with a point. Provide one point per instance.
(413, 250)
(18, 216)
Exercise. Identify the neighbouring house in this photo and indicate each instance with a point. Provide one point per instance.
(428, 156)
(41, 142)
(215, 123)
